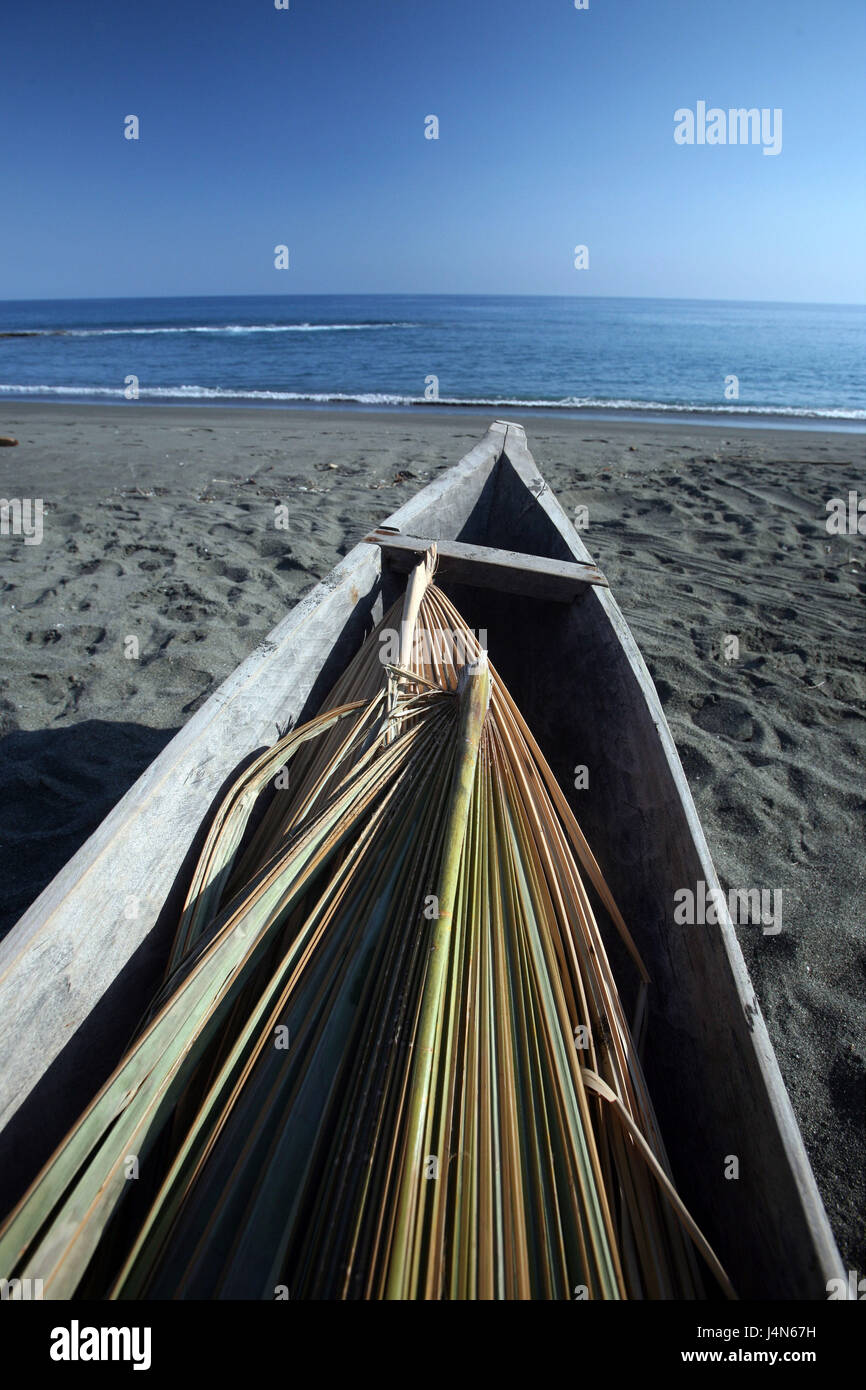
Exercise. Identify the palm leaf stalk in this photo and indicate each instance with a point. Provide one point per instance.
(359, 1077)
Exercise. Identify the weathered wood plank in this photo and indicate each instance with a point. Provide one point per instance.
(485, 567)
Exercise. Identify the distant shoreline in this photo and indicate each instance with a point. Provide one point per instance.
(675, 417)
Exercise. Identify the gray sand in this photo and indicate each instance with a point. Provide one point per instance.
(159, 526)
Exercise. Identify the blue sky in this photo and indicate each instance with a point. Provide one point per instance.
(306, 127)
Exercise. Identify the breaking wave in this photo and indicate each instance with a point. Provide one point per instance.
(238, 328)
(385, 398)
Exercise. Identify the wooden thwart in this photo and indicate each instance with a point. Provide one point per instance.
(484, 567)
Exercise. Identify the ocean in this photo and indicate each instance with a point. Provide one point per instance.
(676, 359)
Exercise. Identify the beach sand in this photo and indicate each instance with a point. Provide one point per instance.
(159, 526)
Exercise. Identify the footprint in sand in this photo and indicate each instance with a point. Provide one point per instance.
(721, 715)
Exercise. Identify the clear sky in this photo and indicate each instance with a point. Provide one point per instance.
(306, 127)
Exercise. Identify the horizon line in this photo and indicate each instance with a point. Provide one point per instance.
(431, 294)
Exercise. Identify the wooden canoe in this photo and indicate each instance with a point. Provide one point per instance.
(77, 970)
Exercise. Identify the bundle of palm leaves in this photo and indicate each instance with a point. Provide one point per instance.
(388, 1058)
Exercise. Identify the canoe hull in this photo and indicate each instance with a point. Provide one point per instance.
(78, 968)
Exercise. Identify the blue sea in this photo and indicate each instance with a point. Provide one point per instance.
(793, 363)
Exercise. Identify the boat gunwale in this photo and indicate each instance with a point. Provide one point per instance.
(827, 1253)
